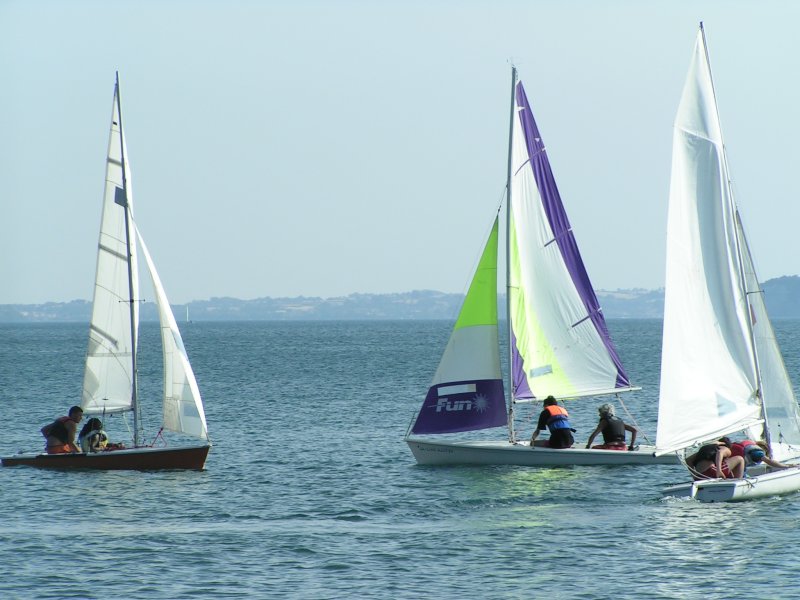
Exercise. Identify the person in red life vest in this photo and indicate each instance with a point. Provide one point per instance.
(556, 419)
(60, 434)
(715, 461)
(753, 453)
(613, 430)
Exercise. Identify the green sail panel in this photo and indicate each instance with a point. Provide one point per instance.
(530, 339)
(480, 304)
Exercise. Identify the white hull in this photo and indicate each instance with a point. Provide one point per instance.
(501, 452)
(774, 483)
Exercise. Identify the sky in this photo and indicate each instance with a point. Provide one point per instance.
(327, 148)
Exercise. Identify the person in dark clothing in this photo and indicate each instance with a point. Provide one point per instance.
(715, 461)
(613, 429)
(60, 434)
(556, 419)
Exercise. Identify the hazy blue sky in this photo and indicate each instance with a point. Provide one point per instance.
(324, 148)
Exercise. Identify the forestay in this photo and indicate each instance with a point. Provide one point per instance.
(560, 342)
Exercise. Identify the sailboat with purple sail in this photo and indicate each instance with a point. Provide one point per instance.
(559, 343)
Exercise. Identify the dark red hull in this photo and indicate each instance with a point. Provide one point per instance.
(135, 459)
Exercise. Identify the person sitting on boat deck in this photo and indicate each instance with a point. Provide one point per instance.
(60, 434)
(715, 461)
(556, 419)
(92, 438)
(613, 429)
(754, 453)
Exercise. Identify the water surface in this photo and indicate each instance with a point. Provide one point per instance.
(310, 491)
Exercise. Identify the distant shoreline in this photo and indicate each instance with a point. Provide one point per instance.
(782, 296)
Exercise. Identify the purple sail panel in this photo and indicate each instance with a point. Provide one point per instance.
(519, 380)
(559, 223)
(462, 406)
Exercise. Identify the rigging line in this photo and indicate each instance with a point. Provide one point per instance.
(503, 192)
(410, 425)
(127, 424)
(697, 475)
(157, 436)
(633, 419)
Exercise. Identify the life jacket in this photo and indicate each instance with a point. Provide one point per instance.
(58, 430)
(614, 430)
(740, 448)
(94, 441)
(558, 418)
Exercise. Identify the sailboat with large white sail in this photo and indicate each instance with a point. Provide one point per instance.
(722, 371)
(110, 384)
(559, 344)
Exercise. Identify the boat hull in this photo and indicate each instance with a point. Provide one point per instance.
(134, 459)
(773, 483)
(429, 452)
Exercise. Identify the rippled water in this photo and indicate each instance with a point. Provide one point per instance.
(310, 491)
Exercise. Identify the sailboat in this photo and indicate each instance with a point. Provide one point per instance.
(110, 384)
(721, 371)
(559, 344)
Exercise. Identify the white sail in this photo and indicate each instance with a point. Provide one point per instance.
(183, 408)
(709, 379)
(108, 375)
(781, 411)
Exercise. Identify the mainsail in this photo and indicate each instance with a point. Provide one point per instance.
(560, 342)
(467, 390)
(108, 375)
(716, 329)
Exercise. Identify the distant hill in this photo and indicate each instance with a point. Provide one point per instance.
(782, 297)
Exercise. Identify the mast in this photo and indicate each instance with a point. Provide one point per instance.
(739, 240)
(511, 432)
(131, 300)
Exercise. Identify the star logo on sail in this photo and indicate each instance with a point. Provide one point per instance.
(481, 403)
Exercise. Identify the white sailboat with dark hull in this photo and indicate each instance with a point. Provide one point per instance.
(559, 342)
(110, 383)
(722, 371)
